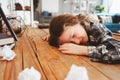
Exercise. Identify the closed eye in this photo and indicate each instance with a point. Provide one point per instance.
(72, 42)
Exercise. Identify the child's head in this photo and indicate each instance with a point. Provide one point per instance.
(57, 27)
(63, 27)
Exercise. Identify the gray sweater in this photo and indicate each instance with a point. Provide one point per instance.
(102, 46)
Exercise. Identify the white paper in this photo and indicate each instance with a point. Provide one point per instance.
(77, 73)
(6, 53)
(29, 74)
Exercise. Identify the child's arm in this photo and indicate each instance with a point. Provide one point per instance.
(71, 48)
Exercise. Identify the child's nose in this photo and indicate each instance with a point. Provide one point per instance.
(76, 40)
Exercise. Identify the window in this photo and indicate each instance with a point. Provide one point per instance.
(115, 6)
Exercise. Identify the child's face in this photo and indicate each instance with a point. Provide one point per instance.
(74, 34)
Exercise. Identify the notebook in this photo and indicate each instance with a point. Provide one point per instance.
(6, 39)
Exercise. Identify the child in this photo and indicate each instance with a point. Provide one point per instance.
(83, 36)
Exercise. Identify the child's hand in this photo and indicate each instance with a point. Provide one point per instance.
(71, 48)
(46, 38)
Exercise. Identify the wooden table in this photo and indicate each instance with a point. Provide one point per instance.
(52, 64)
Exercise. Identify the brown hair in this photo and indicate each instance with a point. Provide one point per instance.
(57, 27)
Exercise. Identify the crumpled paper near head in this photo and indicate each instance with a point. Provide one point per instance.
(77, 73)
(29, 74)
(6, 53)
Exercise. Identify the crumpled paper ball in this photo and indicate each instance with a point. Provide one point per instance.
(29, 74)
(77, 73)
(7, 53)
